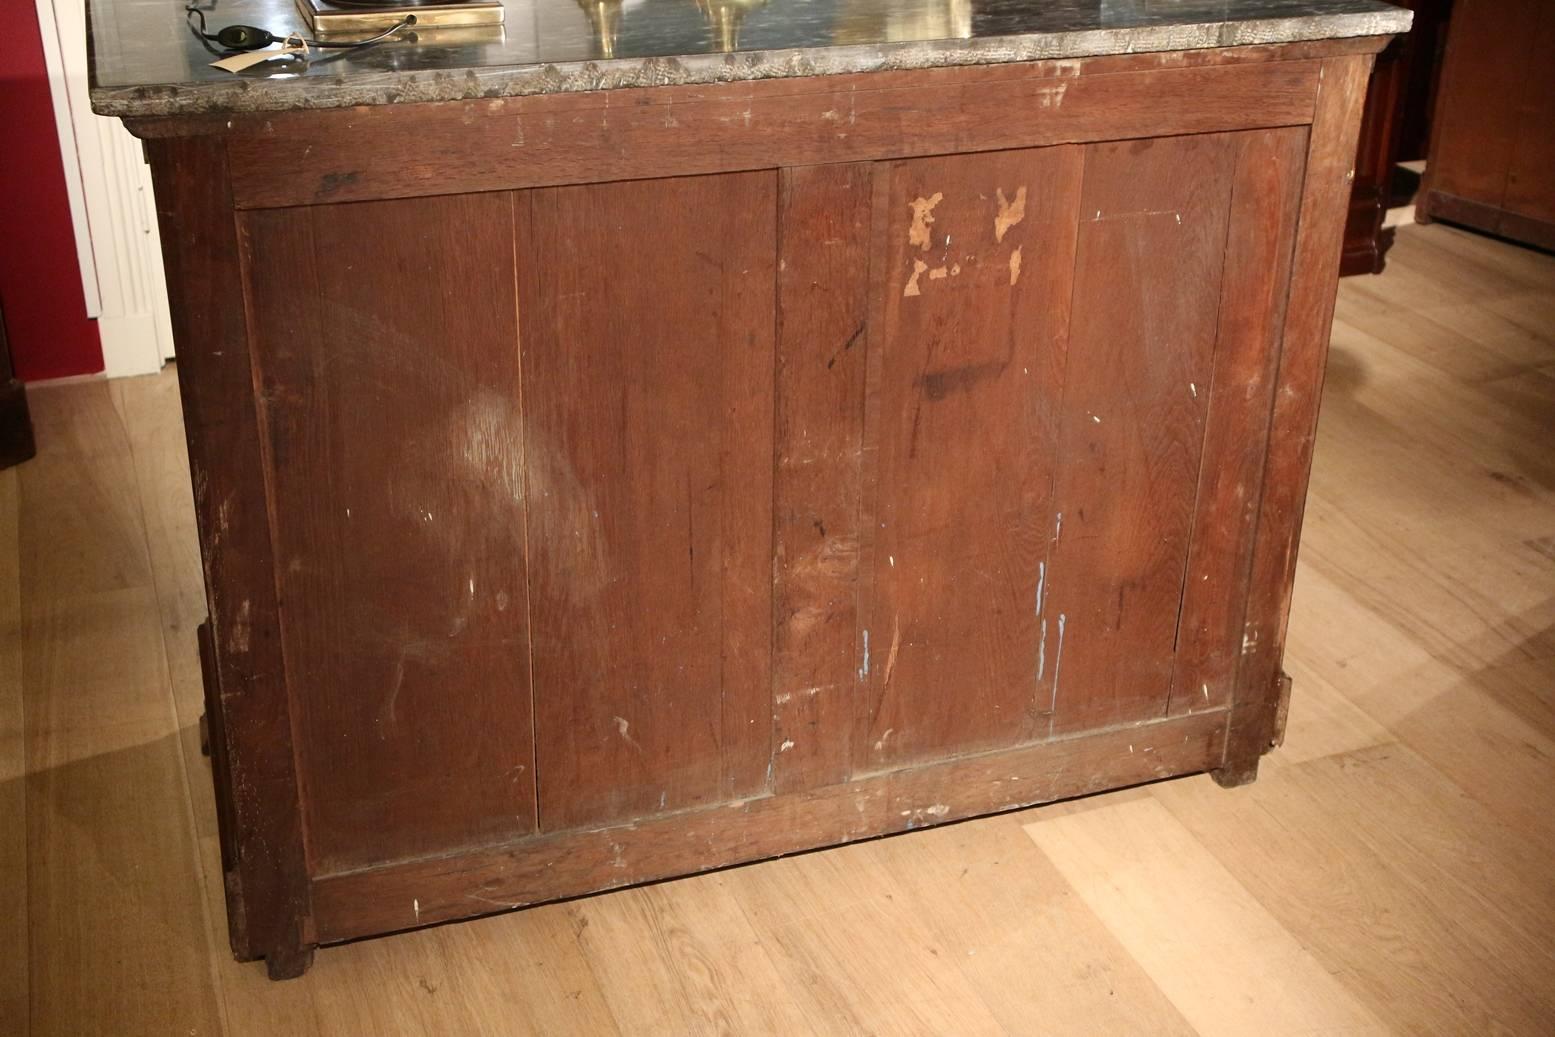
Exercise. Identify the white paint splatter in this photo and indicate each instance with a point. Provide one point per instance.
(623, 728)
(1058, 662)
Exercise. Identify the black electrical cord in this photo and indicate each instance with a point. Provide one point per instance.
(252, 37)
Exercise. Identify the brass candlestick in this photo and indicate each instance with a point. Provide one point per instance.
(605, 17)
(725, 17)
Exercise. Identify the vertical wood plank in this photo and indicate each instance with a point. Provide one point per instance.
(1478, 128)
(975, 299)
(268, 899)
(1293, 425)
(1147, 286)
(1266, 189)
(648, 363)
(390, 388)
(822, 342)
(1530, 179)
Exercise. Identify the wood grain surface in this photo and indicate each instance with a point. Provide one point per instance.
(1153, 221)
(268, 899)
(391, 410)
(415, 150)
(1265, 198)
(653, 523)
(973, 325)
(1293, 423)
(648, 359)
(823, 338)
(1387, 870)
(1491, 150)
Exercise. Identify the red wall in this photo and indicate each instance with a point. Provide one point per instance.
(40, 283)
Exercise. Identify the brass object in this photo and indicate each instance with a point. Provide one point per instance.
(324, 18)
(725, 17)
(605, 17)
(881, 21)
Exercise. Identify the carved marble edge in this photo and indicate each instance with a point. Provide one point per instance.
(240, 94)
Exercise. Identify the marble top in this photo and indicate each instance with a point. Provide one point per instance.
(146, 61)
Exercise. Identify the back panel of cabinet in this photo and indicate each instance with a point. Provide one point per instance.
(713, 487)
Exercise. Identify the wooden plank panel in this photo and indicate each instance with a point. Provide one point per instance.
(390, 391)
(1530, 179)
(1478, 126)
(822, 342)
(1293, 424)
(1147, 287)
(569, 863)
(648, 357)
(267, 894)
(1266, 190)
(395, 151)
(979, 255)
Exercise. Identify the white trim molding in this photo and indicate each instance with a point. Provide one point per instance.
(111, 206)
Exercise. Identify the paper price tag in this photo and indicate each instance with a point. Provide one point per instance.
(294, 47)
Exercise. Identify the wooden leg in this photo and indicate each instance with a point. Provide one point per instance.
(290, 961)
(1236, 774)
(1241, 766)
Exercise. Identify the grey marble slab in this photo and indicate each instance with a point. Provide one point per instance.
(146, 61)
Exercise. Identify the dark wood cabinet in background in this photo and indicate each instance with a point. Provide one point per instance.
(1492, 160)
(1395, 127)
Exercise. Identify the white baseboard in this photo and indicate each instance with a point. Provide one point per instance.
(131, 345)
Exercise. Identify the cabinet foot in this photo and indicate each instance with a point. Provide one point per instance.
(1234, 775)
(289, 962)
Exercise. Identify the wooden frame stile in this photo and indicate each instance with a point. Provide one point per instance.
(247, 698)
(1262, 690)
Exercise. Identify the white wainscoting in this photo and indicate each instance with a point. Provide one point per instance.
(111, 206)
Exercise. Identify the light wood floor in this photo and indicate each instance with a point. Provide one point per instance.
(1390, 871)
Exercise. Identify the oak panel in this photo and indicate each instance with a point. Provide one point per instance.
(1153, 217)
(974, 319)
(1266, 191)
(390, 387)
(823, 337)
(648, 361)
